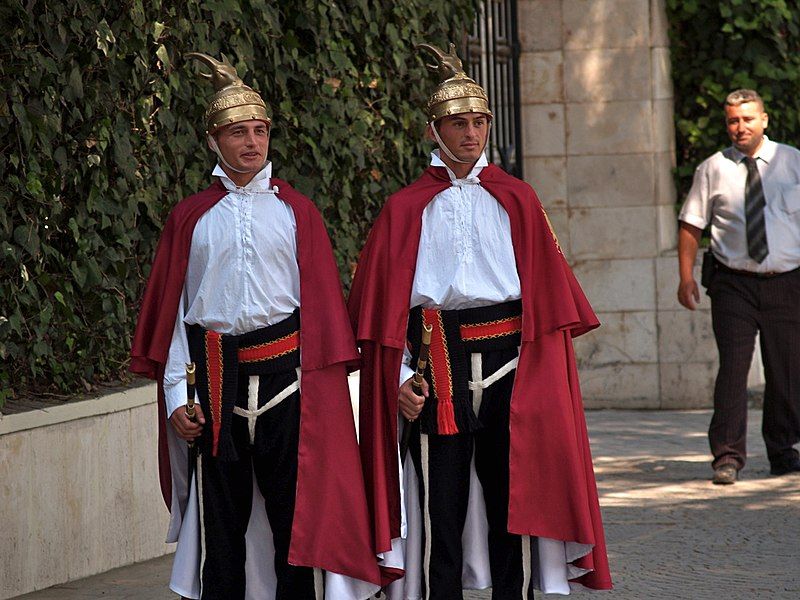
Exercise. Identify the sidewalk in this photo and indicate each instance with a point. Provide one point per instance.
(670, 532)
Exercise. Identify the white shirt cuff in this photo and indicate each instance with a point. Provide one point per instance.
(174, 396)
(406, 373)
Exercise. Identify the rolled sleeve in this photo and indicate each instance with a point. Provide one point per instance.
(696, 209)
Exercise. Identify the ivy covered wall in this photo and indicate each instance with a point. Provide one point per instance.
(718, 47)
(100, 135)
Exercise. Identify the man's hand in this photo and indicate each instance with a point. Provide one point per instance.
(688, 243)
(185, 428)
(689, 294)
(411, 404)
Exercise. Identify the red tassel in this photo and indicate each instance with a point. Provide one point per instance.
(446, 419)
(214, 362)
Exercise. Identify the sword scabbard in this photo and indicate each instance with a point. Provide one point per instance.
(416, 383)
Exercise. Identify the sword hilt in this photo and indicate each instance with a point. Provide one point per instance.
(191, 413)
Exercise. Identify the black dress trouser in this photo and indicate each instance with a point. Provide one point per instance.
(448, 465)
(227, 490)
(741, 306)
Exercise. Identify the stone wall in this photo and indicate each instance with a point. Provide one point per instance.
(599, 148)
(79, 491)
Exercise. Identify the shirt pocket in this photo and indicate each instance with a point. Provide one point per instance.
(790, 198)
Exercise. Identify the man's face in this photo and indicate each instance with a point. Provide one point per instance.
(244, 145)
(746, 124)
(464, 135)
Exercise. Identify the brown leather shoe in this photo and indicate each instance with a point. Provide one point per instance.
(725, 475)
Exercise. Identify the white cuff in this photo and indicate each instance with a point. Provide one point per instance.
(406, 373)
(174, 396)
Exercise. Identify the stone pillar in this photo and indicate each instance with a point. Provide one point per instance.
(599, 149)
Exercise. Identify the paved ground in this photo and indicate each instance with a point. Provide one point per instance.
(670, 533)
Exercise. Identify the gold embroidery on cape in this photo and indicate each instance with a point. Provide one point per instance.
(552, 231)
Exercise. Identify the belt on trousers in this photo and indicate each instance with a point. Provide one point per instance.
(758, 275)
(456, 334)
(222, 358)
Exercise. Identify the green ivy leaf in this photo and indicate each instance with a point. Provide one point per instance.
(106, 136)
(163, 56)
(104, 37)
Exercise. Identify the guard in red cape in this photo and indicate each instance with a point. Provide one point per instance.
(493, 483)
(244, 285)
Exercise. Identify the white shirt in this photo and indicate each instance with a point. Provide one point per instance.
(717, 197)
(242, 273)
(465, 257)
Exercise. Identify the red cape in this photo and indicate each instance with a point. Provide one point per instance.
(330, 529)
(552, 490)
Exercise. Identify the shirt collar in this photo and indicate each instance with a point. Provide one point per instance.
(259, 183)
(765, 153)
(436, 161)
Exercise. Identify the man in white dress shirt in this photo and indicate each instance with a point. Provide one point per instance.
(749, 194)
(467, 250)
(232, 266)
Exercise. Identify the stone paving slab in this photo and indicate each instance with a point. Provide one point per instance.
(670, 532)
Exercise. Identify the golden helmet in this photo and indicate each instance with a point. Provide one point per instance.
(456, 93)
(233, 101)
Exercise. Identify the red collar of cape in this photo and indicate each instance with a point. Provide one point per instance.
(555, 497)
(327, 431)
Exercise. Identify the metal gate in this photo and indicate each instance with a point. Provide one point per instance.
(492, 59)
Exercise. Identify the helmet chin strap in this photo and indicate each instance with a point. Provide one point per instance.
(446, 150)
(212, 143)
(444, 147)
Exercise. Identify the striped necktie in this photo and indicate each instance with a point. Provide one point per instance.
(754, 203)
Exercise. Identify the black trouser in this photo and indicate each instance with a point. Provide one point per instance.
(741, 306)
(227, 496)
(448, 469)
